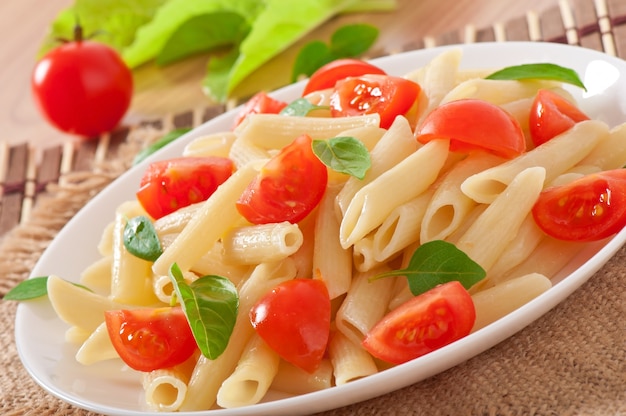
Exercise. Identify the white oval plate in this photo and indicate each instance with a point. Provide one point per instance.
(113, 389)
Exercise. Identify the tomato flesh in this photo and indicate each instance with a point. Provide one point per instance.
(472, 124)
(288, 187)
(294, 320)
(587, 209)
(175, 183)
(551, 115)
(423, 324)
(150, 339)
(260, 103)
(369, 94)
(82, 88)
(327, 75)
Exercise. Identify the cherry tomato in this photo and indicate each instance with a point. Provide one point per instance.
(288, 187)
(423, 324)
(82, 87)
(169, 185)
(587, 209)
(474, 124)
(327, 75)
(260, 103)
(383, 94)
(294, 320)
(551, 115)
(150, 339)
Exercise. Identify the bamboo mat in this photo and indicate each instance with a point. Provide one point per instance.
(570, 362)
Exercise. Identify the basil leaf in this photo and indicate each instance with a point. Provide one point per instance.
(141, 239)
(163, 141)
(353, 40)
(211, 304)
(33, 288)
(300, 107)
(346, 42)
(438, 262)
(344, 154)
(29, 289)
(310, 58)
(539, 71)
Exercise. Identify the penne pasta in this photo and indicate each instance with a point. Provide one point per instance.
(555, 156)
(375, 201)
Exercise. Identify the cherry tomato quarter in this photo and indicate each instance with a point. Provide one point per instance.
(260, 103)
(82, 87)
(169, 185)
(287, 188)
(587, 209)
(368, 94)
(294, 320)
(474, 124)
(150, 339)
(423, 324)
(551, 115)
(327, 75)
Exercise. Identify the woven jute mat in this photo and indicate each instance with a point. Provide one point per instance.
(571, 361)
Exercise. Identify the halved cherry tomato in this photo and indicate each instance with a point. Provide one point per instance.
(288, 187)
(474, 124)
(423, 324)
(368, 94)
(294, 320)
(150, 339)
(260, 103)
(171, 184)
(587, 209)
(327, 75)
(551, 115)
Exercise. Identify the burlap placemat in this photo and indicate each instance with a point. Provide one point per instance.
(569, 362)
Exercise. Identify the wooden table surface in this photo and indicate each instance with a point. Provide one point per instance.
(159, 91)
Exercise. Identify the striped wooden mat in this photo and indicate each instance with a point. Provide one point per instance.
(25, 172)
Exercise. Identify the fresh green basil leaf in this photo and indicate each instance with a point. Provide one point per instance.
(545, 71)
(300, 107)
(346, 42)
(344, 154)
(141, 239)
(310, 58)
(353, 40)
(29, 289)
(211, 304)
(32, 288)
(438, 262)
(159, 144)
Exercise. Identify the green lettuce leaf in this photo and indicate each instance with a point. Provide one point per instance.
(153, 36)
(204, 33)
(113, 22)
(278, 26)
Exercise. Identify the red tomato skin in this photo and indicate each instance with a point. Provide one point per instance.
(368, 94)
(474, 124)
(150, 339)
(176, 183)
(294, 320)
(288, 187)
(260, 103)
(82, 88)
(327, 75)
(588, 209)
(423, 324)
(551, 115)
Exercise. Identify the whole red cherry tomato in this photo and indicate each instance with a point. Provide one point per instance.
(82, 87)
